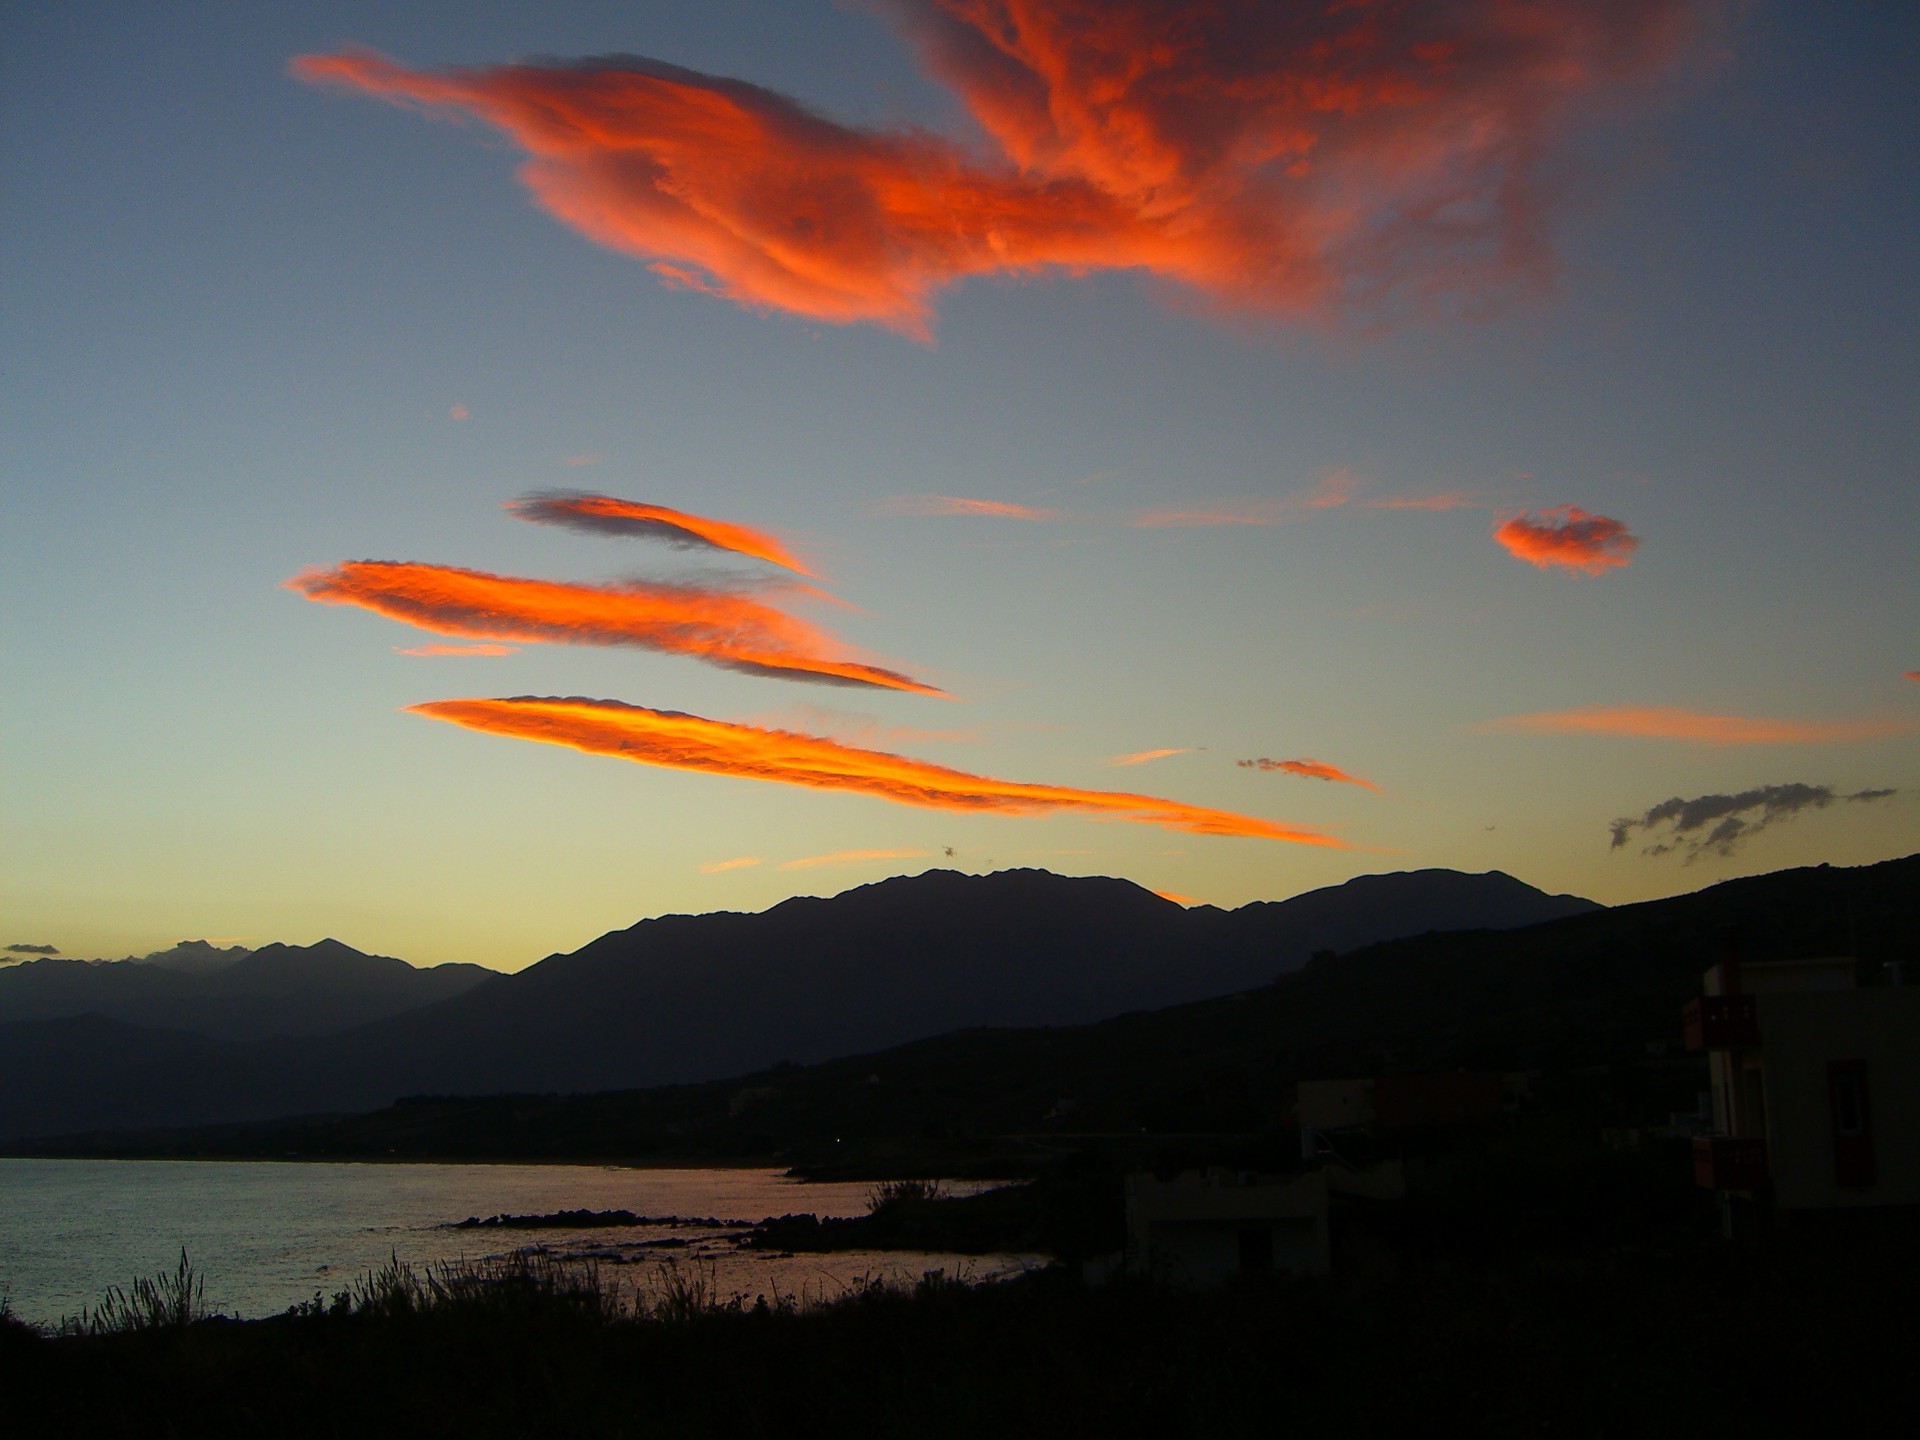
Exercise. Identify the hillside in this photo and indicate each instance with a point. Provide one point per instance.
(692, 998)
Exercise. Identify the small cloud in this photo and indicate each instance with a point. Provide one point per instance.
(963, 505)
(610, 515)
(1307, 770)
(1728, 821)
(720, 867)
(1670, 722)
(1569, 537)
(1176, 897)
(576, 461)
(852, 857)
(1911, 675)
(1142, 757)
(25, 949)
(458, 650)
(459, 412)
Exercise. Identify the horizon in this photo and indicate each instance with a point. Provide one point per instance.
(1500, 460)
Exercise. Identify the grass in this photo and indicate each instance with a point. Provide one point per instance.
(164, 1302)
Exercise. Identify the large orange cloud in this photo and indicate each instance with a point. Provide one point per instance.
(1569, 537)
(1296, 158)
(688, 742)
(1307, 770)
(713, 625)
(607, 515)
(1669, 722)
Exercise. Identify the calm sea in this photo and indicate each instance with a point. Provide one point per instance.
(267, 1234)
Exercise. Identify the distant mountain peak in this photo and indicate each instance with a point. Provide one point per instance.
(194, 957)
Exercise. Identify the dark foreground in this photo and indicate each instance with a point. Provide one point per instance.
(1810, 1336)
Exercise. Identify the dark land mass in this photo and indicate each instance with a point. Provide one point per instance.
(1590, 1004)
(695, 998)
(1804, 1338)
(277, 990)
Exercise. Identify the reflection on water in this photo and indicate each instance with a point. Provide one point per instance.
(268, 1234)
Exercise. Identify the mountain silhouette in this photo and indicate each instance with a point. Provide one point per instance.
(688, 998)
(277, 990)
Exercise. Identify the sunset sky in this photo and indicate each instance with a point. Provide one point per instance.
(477, 475)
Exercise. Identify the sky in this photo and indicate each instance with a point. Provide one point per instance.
(477, 475)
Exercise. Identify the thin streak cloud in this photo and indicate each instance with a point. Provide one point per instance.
(964, 505)
(1569, 538)
(1668, 722)
(720, 867)
(688, 742)
(467, 651)
(609, 515)
(720, 627)
(852, 857)
(1302, 161)
(1143, 757)
(1306, 770)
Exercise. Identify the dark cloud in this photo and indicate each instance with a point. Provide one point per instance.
(1721, 823)
(33, 949)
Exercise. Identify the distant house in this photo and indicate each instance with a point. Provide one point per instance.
(1816, 1089)
(1209, 1227)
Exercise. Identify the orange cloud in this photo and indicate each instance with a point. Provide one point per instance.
(1176, 897)
(458, 412)
(1307, 769)
(1911, 674)
(1569, 537)
(1142, 757)
(1667, 722)
(606, 515)
(720, 867)
(1334, 489)
(466, 650)
(961, 505)
(688, 742)
(1297, 159)
(852, 857)
(717, 626)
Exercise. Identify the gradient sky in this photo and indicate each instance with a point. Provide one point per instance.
(1455, 449)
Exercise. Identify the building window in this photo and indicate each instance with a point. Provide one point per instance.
(1852, 1116)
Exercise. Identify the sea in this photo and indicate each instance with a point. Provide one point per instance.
(266, 1235)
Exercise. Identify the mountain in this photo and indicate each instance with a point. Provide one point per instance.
(233, 994)
(688, 998)
(1590, 1003)
(193, 957)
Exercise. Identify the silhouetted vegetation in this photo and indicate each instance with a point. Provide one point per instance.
(1801, 1338)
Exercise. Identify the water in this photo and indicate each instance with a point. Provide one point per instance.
(266, 1235)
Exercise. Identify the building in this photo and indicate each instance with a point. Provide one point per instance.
(1209, 1227)
(1816, 1089)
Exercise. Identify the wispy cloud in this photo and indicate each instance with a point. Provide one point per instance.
(1911, 675)
(721, 627)
(1719, 824)
(608, 515)
(575, 462)
(1142, 757)
(720, 867)
(458, 412)
(1297, 160)
(1334, 489)
(688, 742)
(852, 857)
(467, 651)
(963, 505)
(1307, 770)
(1568, 537)
(1176, 897)
(22, 948)
(1670, 722)
(1449, 500)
